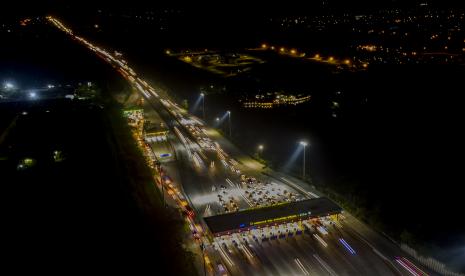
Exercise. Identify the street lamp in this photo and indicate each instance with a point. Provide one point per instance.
(202, 95)
(9, 85)
(304, 144)
(260, 150)
(229, 119)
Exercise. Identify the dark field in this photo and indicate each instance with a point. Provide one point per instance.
(94, 212)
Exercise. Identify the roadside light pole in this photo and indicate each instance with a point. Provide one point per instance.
(202, 95)
(229, 119)
(260, 150)
(304, 144)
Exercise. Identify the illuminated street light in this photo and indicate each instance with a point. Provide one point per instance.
(202, 95)
(293, 51)
(331, 59)
(347, 61)
(217, 119)
(282, 49)
(304, 144)
(264, 46)
(32, 95)
(317, 56)
(9, 85)
(260, 150)
(229, 118)
(50, 86)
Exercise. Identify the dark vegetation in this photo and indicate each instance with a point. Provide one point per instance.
(94, 210)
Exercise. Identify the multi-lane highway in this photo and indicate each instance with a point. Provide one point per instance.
(215, 177)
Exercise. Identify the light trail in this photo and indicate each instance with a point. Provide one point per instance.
(318, 238)
(347, 246)
(325, 265)
(225, 255)
(411, 265)
(413, 272)
(301, 266)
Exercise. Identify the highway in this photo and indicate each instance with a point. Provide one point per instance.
(216, 177)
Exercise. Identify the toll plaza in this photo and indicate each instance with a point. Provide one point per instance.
(226, 224)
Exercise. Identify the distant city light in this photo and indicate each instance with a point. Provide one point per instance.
(32, 95)
(282, 49)
(293, 51)
(50, 86)
(264, 46)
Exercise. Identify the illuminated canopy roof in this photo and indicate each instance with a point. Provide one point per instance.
(310, 208)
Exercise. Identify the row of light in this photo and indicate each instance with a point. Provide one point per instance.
(316, 56)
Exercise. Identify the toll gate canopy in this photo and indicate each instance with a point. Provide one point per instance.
(276, 214)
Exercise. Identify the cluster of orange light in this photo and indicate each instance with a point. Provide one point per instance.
(330, 59)
(24, 22)
(369, 48)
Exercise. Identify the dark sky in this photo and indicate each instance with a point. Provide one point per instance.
(20, 8)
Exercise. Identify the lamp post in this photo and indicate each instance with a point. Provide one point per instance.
(260, 150)
(202, 95)
(304, 144)
(229, 119)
